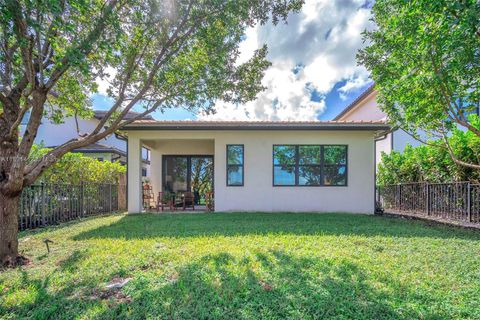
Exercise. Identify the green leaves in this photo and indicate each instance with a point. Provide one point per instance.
(424, 58)
(153, 54)
(432, 162)
(75, 168)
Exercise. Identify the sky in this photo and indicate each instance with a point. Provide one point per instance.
(314, 73)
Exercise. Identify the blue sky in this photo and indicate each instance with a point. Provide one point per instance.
(314, 73)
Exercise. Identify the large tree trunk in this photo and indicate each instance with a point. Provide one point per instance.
(11, 185)
(9, 229)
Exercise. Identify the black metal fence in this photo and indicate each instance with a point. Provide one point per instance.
(49, 204)
(458, 201)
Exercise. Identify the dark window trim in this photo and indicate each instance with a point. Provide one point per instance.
(295, 165)
(189, 163)
(322, 165)
(235, 165)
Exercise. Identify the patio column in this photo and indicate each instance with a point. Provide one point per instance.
(134, 175)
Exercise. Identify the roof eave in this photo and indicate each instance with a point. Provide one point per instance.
(350, 127)
(355, 102)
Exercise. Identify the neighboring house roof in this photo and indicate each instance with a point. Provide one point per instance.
(98, 148)
(356, 102)
(99, 114)
(256, 125)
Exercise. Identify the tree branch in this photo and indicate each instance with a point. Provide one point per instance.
(160, 59)
(454, 158)
(450, 111)
(20, 29)
(85, 46)
(34, 170)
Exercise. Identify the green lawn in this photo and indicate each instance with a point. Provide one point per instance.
(246, 266)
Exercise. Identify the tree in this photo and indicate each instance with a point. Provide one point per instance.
(424, 58)
(156, 54)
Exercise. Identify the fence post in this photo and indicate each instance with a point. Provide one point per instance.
(427, 186)
(110, 197)
(400, 197)
(42, 195)
(82, 207)
(469, 207)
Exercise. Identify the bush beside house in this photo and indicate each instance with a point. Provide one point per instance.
(75, 168)
(432, 162)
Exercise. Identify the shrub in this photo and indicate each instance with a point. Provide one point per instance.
(75, 168)
(432, 162)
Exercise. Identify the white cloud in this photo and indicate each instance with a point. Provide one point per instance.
(320, 42)
(104, 83)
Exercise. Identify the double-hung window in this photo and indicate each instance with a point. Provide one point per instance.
(309, 165)
(235, 164)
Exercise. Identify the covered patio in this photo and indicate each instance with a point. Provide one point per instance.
(180, 169)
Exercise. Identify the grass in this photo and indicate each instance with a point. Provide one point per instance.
(246, 266)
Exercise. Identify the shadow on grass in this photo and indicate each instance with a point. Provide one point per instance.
(144, 226)
(222, 287)
(44, 303)
(63, 225)
(52, 298)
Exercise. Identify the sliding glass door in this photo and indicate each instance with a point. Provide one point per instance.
(175, 174)
(188, 173)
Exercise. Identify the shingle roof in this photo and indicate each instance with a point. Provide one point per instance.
(255, 125)
(355, 102)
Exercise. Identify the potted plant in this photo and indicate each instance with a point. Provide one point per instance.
(146, 183)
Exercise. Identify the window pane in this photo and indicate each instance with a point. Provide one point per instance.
(176, 174)
(309, 175)
(284, 155)
(283, 175)
(335, 154)
(335, 176)
(235, 154)
(309, 154)
(201, 177)
(235, 175)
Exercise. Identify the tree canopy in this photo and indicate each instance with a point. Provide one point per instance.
(424, 58)
(155, 54)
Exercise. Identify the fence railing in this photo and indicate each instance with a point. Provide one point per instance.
(49, 204)
(459, 201)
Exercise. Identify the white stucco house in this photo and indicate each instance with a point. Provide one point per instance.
(112, 148)
(366, 108)
(259, 166)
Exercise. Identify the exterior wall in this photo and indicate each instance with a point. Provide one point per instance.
(55, 134)
(401, 139)
(367, 109)
(383, 146)
(258, 192)
(51, 134)
(104, 156)
(134, 175)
